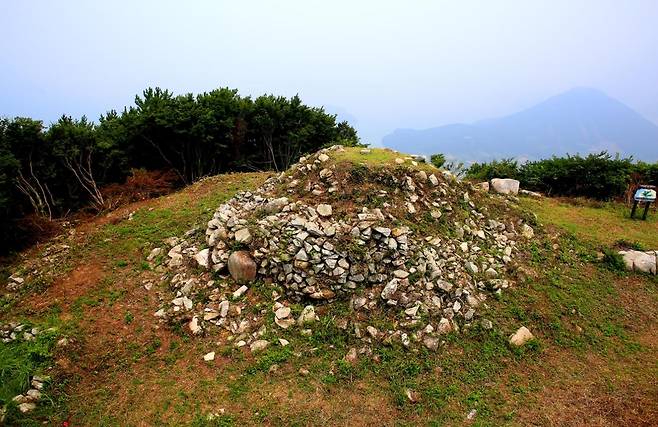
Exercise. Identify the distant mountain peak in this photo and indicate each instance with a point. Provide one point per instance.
(580, 120)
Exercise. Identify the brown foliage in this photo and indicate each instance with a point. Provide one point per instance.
(140, 185)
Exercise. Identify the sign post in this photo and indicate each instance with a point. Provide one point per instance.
(645, 194)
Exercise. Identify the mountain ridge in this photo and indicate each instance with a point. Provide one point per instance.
(581, 120)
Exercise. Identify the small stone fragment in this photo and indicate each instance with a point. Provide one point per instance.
(308, 316)
(258, 345)
(324, 210)
(521, 336)
(243, 235)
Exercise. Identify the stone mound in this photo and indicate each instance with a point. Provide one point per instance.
(389, 234)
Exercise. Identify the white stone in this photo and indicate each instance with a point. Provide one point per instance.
(412, 311)
(324, 210)
(194, 326)
(209, 357)
(154, 254)
(471, 267)
(505, 186)
(521, 336)
(202, 258)
(240, 291)
(223, 308)
(258, 345)
(389, 289)
(27, 407)
(644, 262)
(243, 235)
(308, 316)
(401, 274)
(527, 231)
(282, 312)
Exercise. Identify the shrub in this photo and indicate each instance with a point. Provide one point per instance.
(505, 168)
(140, 185)
(613, 260)
(438, 159)
(596, 176)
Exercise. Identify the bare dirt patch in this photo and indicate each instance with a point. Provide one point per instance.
(66, 289)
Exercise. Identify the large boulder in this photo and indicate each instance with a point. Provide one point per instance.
(505, 186)
(644, 262)
(242, 267)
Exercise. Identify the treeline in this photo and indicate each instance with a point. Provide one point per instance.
(598, 176)
(160, 141)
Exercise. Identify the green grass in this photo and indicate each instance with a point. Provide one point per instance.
(376, 157)
(573, 303)
(182, 213)
(20, 360)
(599, 223)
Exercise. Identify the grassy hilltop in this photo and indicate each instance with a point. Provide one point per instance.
(594, 359)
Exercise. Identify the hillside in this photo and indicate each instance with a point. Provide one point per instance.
(580, 121)
(106, 358)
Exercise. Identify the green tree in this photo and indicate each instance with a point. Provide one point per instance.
(438, 159)
(74, 143)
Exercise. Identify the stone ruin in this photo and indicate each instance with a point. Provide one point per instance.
(408, 239)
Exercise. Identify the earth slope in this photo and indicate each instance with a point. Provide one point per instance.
(90, 296)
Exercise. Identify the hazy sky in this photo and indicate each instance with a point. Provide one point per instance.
(386, 64)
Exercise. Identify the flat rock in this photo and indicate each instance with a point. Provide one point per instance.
(282, 312)
(258, 345)
(154, 254)
(202, 258)
(643, 262)
(27, 407)
(242, 267)
(243, 235)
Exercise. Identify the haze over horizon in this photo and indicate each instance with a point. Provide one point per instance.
(381, 65)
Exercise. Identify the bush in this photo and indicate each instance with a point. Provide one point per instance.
(140, 185)
(438, 160)
(613, 260)
(505, 168)
(596, 176)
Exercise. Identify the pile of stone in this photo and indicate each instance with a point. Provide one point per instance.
(643, 262)
(28, 401)
(293, 234)
(15, 331)
(15, 282)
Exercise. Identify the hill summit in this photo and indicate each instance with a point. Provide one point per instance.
(388, 236)
(581, 120)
